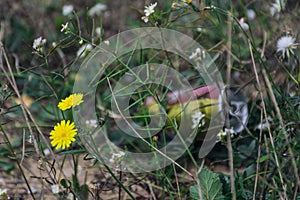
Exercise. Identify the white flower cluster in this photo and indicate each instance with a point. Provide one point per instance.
(117, 157)
(91, 123)
(285, 45)
(198, 119)
(222, 134)
(38, 44)
(148, 11)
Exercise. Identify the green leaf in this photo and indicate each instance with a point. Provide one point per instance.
(264, 158)
(211, 186)
(64, 183)
(194, 193)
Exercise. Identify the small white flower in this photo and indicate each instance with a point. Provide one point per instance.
(46, 152)
(243, 24)
(64, 27)
(197, 119)
(106, 42)
(198, 54)
(175, 96)
(55, 189)
(222, 134)
(97, 9)
(199, 29)
(175, 5)
(277, 7)
(91, 123)
(39, 43)
(67, 10)
(83, 50)
(117, 157)
(231, 131)
(285, 45)
(145, 19)
(3, 191)
(292, 94)
(212, 7)
(150, 9)
(274, 10)
(194, 55)
(30, 139)
(179, 5)
(265, 124)
(251, 14)
(98, 31)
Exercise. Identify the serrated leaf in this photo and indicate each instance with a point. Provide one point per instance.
(211, 186)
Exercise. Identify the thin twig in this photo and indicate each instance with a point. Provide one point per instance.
(151, 190)
(176, 180)
(23, 147)
(257, 160)
(264, 45)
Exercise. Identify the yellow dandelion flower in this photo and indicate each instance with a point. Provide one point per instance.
(71, 101)
(188, 1)
(63, 134)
